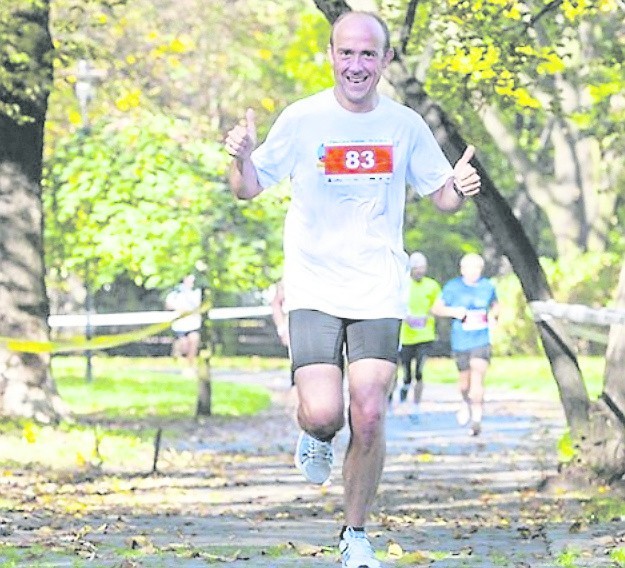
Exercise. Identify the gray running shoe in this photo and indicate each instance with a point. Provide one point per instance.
(356, 550)
(475, 429)
(314, 458)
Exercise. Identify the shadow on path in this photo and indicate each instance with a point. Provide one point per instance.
(228, 494)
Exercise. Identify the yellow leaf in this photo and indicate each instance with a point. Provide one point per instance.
(74, 117)
(305, 549)
(524, 99)
(525, 49)
(80, 460)
(513, 13)
(551, 65)
(413, 559)
(268, 104)
(329, 507)
(394, 550)
(30, 433)
(265, 54)
(178, 46)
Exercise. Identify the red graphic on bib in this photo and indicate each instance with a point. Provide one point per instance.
(349, 159)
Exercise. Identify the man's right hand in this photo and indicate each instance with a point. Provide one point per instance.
(241, 140)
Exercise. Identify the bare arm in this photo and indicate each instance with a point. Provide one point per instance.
(239, 143)
(442, 310)
(278, 315)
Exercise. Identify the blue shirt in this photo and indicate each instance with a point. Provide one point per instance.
(473, 331)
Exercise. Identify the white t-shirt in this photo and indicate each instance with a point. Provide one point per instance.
(183, 299)
(343, 234)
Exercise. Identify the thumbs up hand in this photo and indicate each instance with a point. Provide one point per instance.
(466, 179)
(241, 140)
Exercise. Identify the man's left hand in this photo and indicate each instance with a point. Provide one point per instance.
(466, 179)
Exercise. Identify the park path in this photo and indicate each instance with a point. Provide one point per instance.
(229, 495)
(447, 498)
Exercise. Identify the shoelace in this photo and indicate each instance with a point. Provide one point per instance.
(318, 450)
(357, 547)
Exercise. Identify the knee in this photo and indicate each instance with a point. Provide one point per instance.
(321, 420)
(367, 423)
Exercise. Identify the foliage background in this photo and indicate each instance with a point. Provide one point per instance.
(139, 194)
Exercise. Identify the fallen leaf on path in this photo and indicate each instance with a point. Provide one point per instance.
(305, 549)
(142, 543)
(227, 559)
(394, 550)
(414, 559)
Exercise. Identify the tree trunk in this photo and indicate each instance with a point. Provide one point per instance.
(26, 385)
(603, 448)
(204, 394)
(507, 233)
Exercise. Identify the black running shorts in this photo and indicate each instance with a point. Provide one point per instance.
(317, 337)
(463, 358)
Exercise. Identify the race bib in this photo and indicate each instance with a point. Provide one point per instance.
(358, 162)
(416, 322)
(475, 320)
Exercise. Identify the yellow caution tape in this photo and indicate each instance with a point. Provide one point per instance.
(81, 343)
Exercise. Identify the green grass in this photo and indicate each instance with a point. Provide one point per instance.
(527, 375)
(149, 387)
(140, 388)
(605, 509)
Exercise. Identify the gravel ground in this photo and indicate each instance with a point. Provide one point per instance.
(228, 494)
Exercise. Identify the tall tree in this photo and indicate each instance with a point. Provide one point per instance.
(510, 237)
(26, 385)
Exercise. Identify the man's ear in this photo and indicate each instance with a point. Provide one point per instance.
(329, 53)
(389, 55)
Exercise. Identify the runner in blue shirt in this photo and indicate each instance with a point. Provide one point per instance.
(471, 301)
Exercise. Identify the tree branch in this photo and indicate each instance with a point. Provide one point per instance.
(406, 28)
(543, 12)
(332, 9)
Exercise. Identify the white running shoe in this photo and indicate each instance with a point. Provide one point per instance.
(356, 550)
(464, 414)
(314, 458)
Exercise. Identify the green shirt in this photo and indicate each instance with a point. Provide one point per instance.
(419, 325)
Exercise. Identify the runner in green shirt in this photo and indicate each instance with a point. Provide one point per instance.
(418, 330)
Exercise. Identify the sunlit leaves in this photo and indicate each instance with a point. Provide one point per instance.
(25, 60)
(146, 196)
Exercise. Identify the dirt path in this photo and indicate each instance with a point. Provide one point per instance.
(228, 494)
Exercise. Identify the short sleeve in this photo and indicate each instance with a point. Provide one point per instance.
(428, 168)
(274, 159)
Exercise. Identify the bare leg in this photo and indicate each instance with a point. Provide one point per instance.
(464, 384)
(476, 393)
(321, 410)
(369, 382)
(192, 348)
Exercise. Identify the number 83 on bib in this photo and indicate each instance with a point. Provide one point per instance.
(358, 162)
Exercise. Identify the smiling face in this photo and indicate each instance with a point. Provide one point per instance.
(359, 53)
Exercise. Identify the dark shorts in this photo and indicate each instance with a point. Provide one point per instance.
(317, 337)
(181, 334)
(415, 350)
(463, 358)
